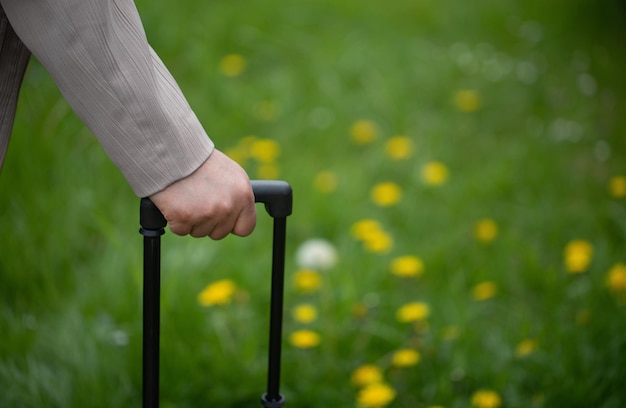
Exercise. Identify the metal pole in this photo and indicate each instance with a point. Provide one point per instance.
(152, 227)
(276, 315)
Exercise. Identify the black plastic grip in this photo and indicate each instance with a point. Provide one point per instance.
(150, 218)
(276, 195)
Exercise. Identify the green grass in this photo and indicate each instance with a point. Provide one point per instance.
(536, 158)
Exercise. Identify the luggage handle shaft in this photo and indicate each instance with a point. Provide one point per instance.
(277, 197)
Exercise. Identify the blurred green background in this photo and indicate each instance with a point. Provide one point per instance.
(464, 162)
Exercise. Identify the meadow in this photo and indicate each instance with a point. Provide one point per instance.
(459, 220)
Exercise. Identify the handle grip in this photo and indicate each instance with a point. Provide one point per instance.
(275, 194)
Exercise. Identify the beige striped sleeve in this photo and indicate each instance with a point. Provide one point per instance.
(98, 54)
(14, 58)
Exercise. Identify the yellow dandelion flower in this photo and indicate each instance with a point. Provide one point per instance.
(265, 150)
(484, 290)
(578, 255)
(405, 358)
(268, 171)
(237, 154)
(304, 339)
(617, 186)
(217, 293)
(486, 230)
(365, 228)
(379, 243)
(325, 182)
(386, 194)
(399, 147)
(307, 280)
(407, 266)
(365, 375)
(377, 395)
(467, 100)
(486, 399)
(232, 65)
(616, 278)
(364, 131)
(525, 347)
(413, 312)
(371, 233)
(434, 173)
(305, 313)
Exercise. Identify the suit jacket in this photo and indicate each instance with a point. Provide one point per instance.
(98, 55)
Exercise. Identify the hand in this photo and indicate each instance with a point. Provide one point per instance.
(215, 200)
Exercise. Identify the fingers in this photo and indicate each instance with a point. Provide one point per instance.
(245, 223)
(216, 200)
(216, 219)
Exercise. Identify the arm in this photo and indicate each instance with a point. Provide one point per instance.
(97, 53)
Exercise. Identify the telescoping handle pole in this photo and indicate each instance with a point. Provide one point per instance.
(277, 197)
(152, 227)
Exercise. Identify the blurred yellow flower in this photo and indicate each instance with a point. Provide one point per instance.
(217, 293)
(434, 173)
(467, 100)
(578, 255)
(364, 228)
(307, 280)
(365, 375)
(616, 278)
(617, 186)
(380, 242)
(386, 194)
(525, 347)
(241, 152)
(377, 395)
(305, 313)
(484, 290)
(325, 182)
(268, 171)
(371, 233)
(364, 131)
(405, 358)
(304, 339)
(237, 154)
(399, 147)
(486, 230)
(486, 399)
(407, 266)
(412, 312)
(232, 65)
(265, 150)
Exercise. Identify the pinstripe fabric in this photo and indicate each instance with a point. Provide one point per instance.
(98, 55)
(13, 61)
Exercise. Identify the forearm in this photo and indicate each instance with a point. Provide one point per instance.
(97, 53)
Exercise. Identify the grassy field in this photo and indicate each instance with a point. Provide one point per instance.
(463, 163)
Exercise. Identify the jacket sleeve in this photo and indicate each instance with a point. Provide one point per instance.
(98, 54)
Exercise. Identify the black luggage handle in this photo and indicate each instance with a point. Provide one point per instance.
(277, 197)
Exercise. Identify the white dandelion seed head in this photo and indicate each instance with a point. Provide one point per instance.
(317, 254)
